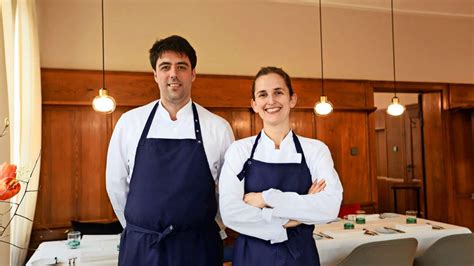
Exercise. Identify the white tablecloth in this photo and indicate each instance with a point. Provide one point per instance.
(94, 250)
(102, 249)
(333, 251)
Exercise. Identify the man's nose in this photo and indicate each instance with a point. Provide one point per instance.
(173, 72)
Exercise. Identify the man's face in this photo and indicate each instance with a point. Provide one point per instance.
(174, 77)
(272, 100)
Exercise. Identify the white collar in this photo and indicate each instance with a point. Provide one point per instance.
(285, 144)
(185, 111)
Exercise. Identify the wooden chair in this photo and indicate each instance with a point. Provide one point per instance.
(449, 250)
(397, 252)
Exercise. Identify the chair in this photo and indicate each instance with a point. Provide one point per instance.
(97, 228)
(449, 250)
(389, 252)
(348, 209)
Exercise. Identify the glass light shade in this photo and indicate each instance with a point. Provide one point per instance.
(323, 107)
(103, 103)
(395, 108)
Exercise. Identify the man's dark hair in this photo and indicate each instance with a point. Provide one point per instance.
(268, 70)
(175, 44)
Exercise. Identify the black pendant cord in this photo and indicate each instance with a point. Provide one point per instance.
(393, 54)
(321, 43)
(103, 48)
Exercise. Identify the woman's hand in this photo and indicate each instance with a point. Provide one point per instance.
(291, 223)
(255, 200)
(317, 186)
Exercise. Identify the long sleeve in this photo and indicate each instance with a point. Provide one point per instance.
(117, 171)
(314, 208)
(238, 215)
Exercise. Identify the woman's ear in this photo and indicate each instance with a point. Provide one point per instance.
(293, 100)
(254, 105)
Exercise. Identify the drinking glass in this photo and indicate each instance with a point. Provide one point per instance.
(73, 239)
(411, 217)
(360, 217)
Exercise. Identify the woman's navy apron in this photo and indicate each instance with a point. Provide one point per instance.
(300, 248)
(171, 204)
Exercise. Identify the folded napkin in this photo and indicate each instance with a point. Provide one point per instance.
(345, 234)
(413, 227)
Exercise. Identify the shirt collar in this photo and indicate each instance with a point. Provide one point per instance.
(185, 111)
(285, 144)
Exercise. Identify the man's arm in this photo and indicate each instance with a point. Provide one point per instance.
(117, 171)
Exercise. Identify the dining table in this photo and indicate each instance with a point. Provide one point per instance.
(334, 243)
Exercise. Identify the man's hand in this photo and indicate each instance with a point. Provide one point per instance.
(317, 186)
(255, 199)
(291, 223)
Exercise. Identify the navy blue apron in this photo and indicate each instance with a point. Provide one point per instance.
(171, 204)
(300, 248)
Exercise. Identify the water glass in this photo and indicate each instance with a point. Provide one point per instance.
(411, 217)
(73, 239)
(348, 222)
(360, 217)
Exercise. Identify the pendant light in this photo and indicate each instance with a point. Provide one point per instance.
(395, 108)
(103, 103)
(323, 106)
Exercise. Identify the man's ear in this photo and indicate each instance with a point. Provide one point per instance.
(194, 74)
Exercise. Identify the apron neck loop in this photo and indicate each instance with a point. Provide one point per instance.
(148, 124)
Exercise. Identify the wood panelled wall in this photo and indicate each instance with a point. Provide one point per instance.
(75, 138)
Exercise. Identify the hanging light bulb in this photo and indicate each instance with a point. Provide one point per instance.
(395, 108)
(323, 106)
(104, 103)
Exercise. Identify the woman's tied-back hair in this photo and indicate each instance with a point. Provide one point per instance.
(276, 70)
(175, 44)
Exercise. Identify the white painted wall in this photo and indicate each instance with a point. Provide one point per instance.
(238, 37)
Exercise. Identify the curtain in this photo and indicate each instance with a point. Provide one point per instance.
(25, 114)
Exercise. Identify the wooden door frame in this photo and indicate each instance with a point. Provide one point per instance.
(443, 90)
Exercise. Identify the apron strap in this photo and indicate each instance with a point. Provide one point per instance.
(255, 145)
(197, 125)
(158, 236)
(299, 149)
(247, 164)
(148, 124)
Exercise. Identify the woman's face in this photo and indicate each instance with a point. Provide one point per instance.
(272, 100)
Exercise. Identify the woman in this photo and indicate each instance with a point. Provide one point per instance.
(275, 186)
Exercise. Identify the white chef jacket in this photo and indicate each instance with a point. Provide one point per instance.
(216, 134)
(267, 223)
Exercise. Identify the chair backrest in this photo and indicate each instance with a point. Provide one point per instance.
(449, 250)
(94, 228)
(389, 252)
(348, 209)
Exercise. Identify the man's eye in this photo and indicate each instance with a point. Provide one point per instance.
(165, 68)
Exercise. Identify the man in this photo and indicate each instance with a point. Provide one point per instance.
(163, 161)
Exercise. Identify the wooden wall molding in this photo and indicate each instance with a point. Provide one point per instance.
(75, 138)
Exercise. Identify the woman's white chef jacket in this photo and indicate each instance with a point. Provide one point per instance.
(267, 223)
